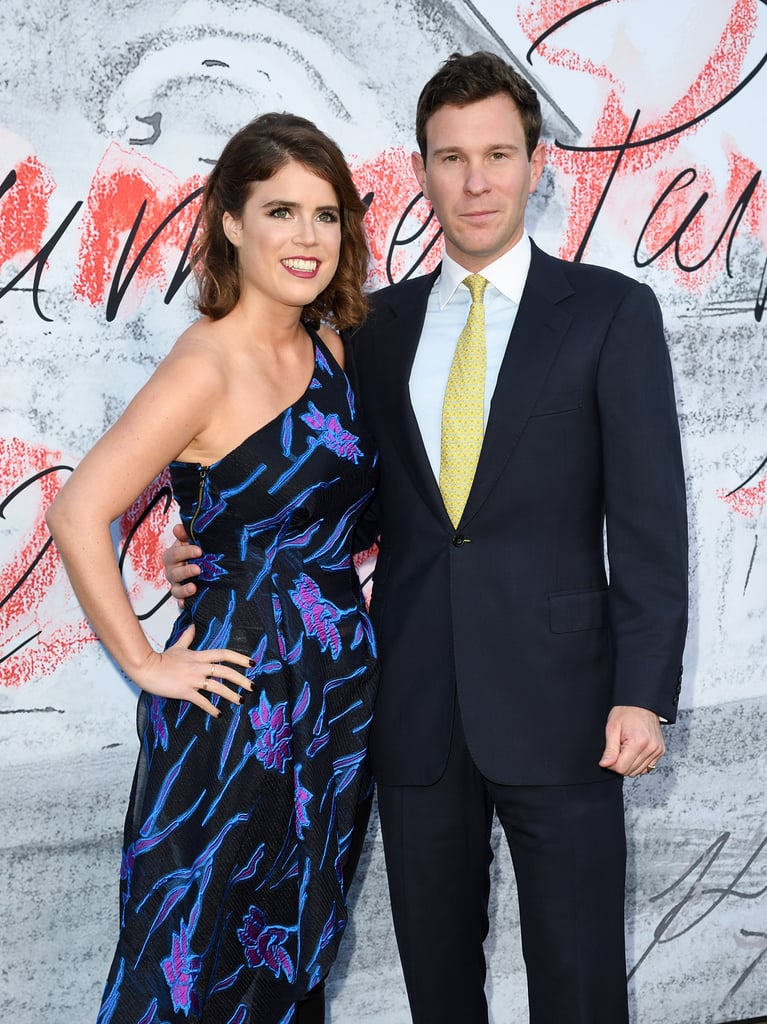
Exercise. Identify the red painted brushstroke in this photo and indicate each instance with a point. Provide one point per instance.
(148, 543)
(586, 173)
(43, 604)
(24, 212)
(123, 181)
(23, 614)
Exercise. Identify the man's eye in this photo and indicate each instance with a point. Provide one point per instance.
(498, 156)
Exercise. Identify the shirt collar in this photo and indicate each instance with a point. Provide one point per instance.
(508, 273)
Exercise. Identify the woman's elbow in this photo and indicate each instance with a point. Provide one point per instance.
(58, 516)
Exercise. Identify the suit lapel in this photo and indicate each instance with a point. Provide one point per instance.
(396, 353)
(538, 331)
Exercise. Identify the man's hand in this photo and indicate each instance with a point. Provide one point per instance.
(634, 741)
(175, 560)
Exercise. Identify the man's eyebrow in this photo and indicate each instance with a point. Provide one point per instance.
(493, 147)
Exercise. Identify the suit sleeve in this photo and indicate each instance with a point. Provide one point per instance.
(366, 532)
(645, 507)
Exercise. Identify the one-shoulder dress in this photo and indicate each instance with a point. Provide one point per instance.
(238, 827)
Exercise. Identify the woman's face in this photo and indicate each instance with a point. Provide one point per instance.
(288, 239)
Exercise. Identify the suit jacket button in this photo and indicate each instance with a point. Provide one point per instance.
(458, 540)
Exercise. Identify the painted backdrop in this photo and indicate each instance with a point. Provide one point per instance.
(110, 115)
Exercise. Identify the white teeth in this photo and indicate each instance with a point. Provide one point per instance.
(306, 266)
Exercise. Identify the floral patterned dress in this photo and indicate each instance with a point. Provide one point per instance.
(238, 827)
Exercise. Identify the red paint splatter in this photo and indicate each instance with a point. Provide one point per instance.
(147, 543)
(23, 614)
(390, 177)
(707, 230)
(746, 501)
(24, 211)
(40, 621)
(123, 181)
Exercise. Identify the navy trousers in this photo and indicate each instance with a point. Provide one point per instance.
(568, 848)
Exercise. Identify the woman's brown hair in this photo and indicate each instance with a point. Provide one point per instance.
(255, 153)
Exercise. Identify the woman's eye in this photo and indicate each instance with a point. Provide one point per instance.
(328, 217)
(280, 212)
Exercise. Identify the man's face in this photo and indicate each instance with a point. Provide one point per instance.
(477, 176)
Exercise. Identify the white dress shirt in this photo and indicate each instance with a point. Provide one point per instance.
(446, 313)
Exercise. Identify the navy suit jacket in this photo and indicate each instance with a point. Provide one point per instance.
(512, 612)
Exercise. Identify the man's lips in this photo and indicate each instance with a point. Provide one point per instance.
(301, 266)
(478, 215)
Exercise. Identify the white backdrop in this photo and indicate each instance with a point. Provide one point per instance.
(110, 114)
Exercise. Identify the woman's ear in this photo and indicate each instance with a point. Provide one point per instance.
(232, 228)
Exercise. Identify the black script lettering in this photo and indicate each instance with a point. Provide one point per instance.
(761, 292)
(674, 130)
(762, 465)
(560, 23)
(397, 242)
(39, 261)
(119, 285)
(754, 963)
(611, 177)
(163, 494)
(683, 180)
(41, 553)
(697, 900)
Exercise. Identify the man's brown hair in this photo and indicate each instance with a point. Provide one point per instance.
(468, 78)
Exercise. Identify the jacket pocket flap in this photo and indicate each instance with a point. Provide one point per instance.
(558, 401)
(572, 611)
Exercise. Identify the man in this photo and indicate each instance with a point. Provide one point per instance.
(512, 422)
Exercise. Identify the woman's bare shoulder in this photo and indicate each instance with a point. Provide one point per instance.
(199, 350)
(333, 342)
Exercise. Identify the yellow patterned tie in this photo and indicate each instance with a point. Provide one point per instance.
(463, 410)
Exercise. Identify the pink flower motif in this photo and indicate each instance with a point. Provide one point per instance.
(319, 614)
(331, 434)
(273, 734)
(264, 944)
(181, 969)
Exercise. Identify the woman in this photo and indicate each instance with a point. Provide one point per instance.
(253, 721)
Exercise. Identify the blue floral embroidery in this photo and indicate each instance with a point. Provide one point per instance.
(302, 797)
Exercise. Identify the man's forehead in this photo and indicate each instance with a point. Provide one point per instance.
(498, 113)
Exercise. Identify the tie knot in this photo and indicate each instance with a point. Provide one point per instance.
(476, 284)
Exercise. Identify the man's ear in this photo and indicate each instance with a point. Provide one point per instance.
(537, 163)
(419, 170)
(232, 228)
